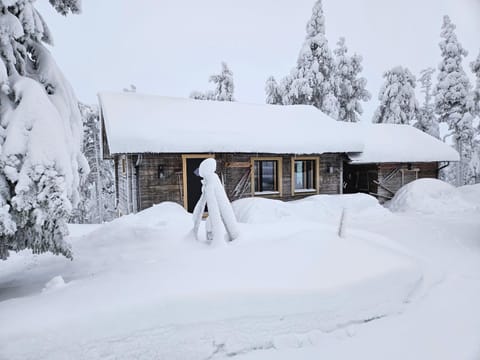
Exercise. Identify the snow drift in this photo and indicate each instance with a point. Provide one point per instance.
(145, 278)
(434, 196)
(324, 209)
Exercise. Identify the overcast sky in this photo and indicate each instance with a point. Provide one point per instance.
(170, 47)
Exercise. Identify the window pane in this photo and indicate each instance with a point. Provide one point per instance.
(304, 174)
(299, 180)
(265, 175)
(268, 176)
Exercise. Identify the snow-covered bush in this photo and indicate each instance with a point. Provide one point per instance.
(41, 164)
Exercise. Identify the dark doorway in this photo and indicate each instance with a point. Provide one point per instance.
(193, 184)
(360, 178)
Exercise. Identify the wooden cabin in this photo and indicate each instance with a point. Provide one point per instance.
(393, 156)
(281, 152)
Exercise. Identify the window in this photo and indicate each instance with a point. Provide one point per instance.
(304, 175)
(266, 175)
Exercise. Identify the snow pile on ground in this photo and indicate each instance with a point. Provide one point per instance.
(325, 209)
(142, 287)
(470, 193)
(432, 196)
(56, 283)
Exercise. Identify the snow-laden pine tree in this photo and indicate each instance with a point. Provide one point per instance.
(224, 87)
(311, 81)
(273, 92)
(475, 66)
(398, 104)
(349, 85)
(97, 203)
(426, 119)
(474, 164)
(453, 98)
(41, 163)
(316, 24)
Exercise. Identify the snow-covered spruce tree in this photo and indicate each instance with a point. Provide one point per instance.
(398, 104)
(311, 81)
(349, 86)
(475, 66)
(426, 119)
(474, 165)
(224, 87)
(41, 164)
(453, 98)
(273, 92)
(97, 193)
(316, 24)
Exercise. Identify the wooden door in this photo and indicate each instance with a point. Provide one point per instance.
(192, 185)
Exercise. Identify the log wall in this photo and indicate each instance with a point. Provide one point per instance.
(402, 174)
(231, 168)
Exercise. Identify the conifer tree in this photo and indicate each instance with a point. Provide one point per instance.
(41, 164)
(273, 91)
(316, 24)
(97, 193)
(475, 66)
(311, 81)
(426, 120)
(474, 164)
(453, 97)
(349, 86)
(398, 104)
(224, 87)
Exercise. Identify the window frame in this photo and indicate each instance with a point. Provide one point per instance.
(316, 174)
(279, 176)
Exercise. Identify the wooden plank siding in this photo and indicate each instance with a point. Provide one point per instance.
(404, 174)
(383, 180)
(231, 168)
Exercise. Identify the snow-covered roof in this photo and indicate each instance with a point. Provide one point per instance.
(401, 143)
(137, 123)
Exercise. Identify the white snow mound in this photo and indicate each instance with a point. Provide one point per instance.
(430, 196)
(55, 283)
(318, 208)
(470, 193)
(144, 277)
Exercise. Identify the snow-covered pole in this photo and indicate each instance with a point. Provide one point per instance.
(341, 227)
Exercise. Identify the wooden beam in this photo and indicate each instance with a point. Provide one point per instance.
(238, 164)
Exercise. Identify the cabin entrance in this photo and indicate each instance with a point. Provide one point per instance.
(192, 185)
(360, 178)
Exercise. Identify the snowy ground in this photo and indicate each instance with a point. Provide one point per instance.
(398, 285)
